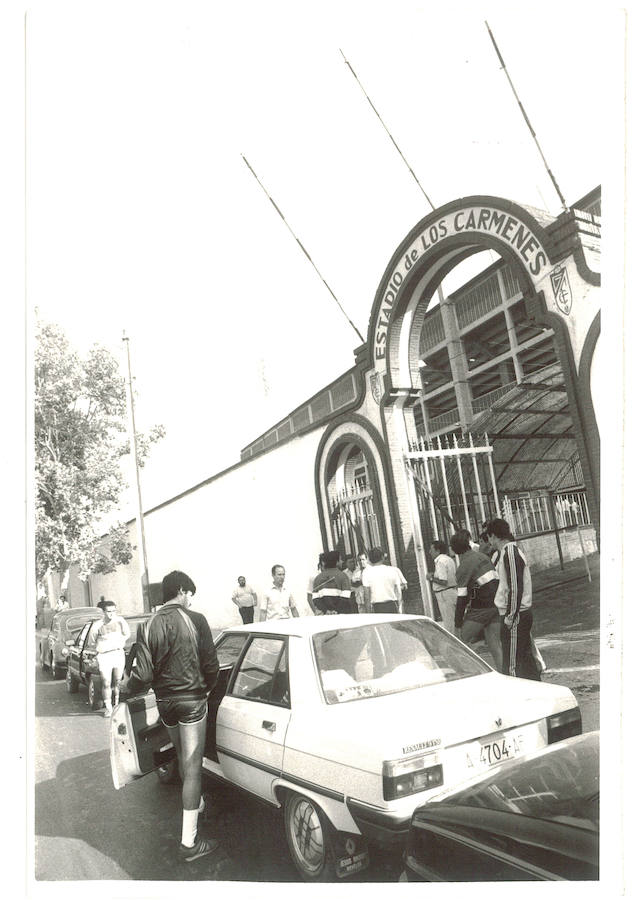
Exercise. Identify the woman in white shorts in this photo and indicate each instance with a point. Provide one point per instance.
(110, 640)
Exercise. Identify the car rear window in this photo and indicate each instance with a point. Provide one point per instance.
(74, 624)
(390, 657)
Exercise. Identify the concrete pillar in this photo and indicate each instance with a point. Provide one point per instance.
(458, 362)
(512, 334)
(406, 513)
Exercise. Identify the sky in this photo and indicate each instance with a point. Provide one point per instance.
(143, 217)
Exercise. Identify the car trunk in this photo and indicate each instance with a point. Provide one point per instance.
(441, 719)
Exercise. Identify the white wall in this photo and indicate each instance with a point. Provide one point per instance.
(260, 513)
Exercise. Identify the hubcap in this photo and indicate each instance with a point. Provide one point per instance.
(307, 835)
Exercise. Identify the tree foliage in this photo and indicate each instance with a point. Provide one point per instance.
(80, 439)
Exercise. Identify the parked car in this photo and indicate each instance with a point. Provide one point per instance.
(82, 659)
(535, 819)
(348, 724)
(65, 626)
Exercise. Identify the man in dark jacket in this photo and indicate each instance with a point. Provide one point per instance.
(476, 615)
(177, 657)
(332, 589)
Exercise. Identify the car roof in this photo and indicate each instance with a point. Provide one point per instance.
(78, 611)
(305, 626)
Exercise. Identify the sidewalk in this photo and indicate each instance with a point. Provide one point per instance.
(564, 600)
(566, 624)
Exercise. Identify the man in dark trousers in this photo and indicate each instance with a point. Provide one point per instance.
(475, 613)
(177, 657)
(332, 591)
(514, 602)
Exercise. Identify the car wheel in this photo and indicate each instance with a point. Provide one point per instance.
(306, 830)
(95, 693)
(169, 773)
(71, 682)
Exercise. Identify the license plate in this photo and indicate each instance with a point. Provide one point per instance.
(347, 865)
(497, 748)
(351, 854)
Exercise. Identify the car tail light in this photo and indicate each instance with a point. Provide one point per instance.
(564, 725)
(401, 777)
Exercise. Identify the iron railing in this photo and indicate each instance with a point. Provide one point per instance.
(545, 512)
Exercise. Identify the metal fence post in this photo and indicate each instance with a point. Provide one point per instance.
(554, 527)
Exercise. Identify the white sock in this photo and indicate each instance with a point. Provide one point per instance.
(189, 827)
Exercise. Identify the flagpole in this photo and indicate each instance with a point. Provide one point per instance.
(140, 516)
(299, 242)
(527, 120)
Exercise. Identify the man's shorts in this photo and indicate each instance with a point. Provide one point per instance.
(182, 712)
(476, 621)
(112, 659)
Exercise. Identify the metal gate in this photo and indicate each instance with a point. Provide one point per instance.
(354, 521)
(455, 485)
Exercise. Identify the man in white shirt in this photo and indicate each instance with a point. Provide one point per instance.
(444, 584)
(382, 585)
(277, 602)
(244, 597)
(110, 640)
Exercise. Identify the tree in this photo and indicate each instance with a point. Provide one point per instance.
(80, 439)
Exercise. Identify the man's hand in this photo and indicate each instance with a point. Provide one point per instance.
(429, 577)
(509, 620)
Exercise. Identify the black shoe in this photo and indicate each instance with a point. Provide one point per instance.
(201, 848)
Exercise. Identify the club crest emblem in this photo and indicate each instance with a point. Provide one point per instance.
(561, 289)
(376, 386)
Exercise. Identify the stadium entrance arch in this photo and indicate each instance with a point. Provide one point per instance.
(540, 412)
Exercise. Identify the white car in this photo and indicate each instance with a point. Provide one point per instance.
(349, 723)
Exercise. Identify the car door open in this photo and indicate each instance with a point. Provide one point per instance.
(139, 741)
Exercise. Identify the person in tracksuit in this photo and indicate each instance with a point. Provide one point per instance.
(476, 615)
(514, 602)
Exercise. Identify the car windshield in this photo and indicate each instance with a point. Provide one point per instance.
(561, 785)
(390, 657)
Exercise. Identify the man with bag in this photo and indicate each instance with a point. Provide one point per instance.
(177, 658)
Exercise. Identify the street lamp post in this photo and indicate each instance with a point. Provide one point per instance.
(145, 589)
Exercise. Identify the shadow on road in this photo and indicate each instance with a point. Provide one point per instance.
(138, 830)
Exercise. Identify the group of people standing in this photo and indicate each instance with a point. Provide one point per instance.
(488, 595)
(276, 603)
(354, 584)
(485, 592)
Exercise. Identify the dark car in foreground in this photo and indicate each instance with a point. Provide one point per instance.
(535, 819)
(82, 658)
(54, 643)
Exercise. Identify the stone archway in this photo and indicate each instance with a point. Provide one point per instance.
(348, 447)
(548, 259)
